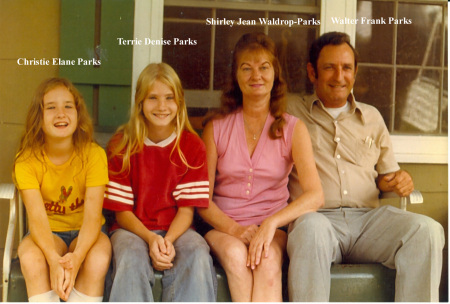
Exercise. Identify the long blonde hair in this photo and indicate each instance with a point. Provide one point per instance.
(32, 141)
(135, 130)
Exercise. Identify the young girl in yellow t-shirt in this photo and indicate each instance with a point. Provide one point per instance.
(61, 174)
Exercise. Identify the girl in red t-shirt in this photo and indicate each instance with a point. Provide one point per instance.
(158, 175)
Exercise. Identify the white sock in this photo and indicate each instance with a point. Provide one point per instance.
(76, 296)
(49, 296)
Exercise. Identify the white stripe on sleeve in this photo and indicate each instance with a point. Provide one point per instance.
(119, 199)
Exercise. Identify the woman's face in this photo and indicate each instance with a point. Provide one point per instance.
(255, 74)
(60, 116)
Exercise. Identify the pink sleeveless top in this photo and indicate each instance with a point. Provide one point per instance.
(251, 189)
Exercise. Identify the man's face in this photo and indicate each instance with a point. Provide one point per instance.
(336, 74)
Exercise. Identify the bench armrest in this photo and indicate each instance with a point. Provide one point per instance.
(8, 192)
(414, 198)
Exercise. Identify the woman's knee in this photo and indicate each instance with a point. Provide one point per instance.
(234, 261)
(231, 252)
(271, 265)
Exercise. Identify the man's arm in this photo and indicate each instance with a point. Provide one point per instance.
(399, 182)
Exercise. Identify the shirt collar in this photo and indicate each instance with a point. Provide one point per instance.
(161, 144)
(354, 105)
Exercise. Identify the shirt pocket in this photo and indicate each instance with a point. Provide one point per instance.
(367, 152)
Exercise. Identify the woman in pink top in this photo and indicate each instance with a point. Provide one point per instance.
(251, 146)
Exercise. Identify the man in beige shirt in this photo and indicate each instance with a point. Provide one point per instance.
(355, 160)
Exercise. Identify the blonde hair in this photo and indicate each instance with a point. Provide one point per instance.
(135, 131)
(32, 141)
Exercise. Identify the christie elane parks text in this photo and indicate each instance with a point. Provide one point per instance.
(59, 61)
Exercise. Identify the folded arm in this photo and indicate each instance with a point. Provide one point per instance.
(399, 182)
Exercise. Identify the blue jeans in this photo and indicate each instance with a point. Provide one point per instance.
(191, 279)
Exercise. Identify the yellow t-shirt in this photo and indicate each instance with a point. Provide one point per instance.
(63, 187)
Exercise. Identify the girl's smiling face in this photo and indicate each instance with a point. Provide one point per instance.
(160, 109)
(60, 116)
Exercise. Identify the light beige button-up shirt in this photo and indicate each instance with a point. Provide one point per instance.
(350, 151)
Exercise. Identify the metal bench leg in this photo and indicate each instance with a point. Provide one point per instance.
(7, 191)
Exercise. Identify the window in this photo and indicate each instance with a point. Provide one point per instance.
(390, 67)
(403, 63)
(205, 66)
(89, 30)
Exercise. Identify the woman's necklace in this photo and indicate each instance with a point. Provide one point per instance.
(255, 134)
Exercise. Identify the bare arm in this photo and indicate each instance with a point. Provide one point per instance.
(311, 199)
(181, 223)
(213, 215)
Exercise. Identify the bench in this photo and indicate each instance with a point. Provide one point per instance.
(349, 282)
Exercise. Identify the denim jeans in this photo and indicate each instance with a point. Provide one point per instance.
(191, 279)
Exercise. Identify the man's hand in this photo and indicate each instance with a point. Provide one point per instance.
(399, 182)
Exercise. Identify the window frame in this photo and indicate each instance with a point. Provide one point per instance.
(420, 149)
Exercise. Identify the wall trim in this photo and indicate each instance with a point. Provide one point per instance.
(420, 149)
(148, 23)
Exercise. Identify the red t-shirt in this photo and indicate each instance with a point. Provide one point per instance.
(157, 183)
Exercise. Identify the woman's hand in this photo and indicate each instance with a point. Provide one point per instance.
(244, 233)
(162, 253)
(71, 263)
(260, 244)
